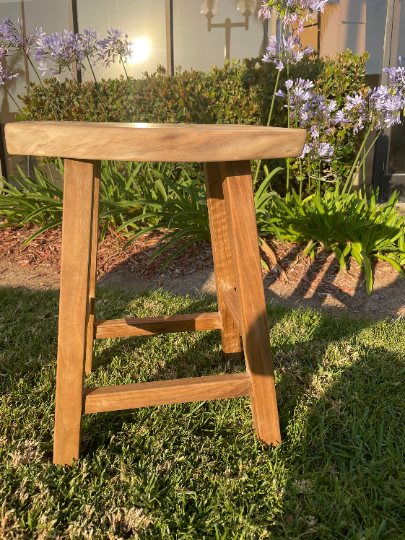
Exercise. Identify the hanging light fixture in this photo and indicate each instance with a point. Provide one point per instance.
(209, 8)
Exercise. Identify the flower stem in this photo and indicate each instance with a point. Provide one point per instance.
(36, 72)
(309, 175)
(288, 161)
(366, 153)
(364, 174)
(91, 67)
(356, 161)
(98, 87)
(43, 86)
(16, 104)
(269, 118)
(125, 71)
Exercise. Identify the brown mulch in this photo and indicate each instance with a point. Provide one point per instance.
(46, 250)
(323, 272)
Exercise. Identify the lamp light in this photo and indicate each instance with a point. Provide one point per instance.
(245, 6)
(209, 7)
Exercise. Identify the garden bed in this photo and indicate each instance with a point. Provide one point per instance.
(316, 283)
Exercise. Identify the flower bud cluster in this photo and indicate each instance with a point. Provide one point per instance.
(285, 51)
(65, 49)
(292, 12)
(15, 37)
(313, 112)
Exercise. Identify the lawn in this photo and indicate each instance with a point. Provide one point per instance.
(195, 470)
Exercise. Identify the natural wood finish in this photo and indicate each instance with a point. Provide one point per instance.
(225, 151)
(93, 267)
(233, 306)
(157, 325)
(73, 308)
(238, 191)
(221, 252)
(152, 142)
(133, 396)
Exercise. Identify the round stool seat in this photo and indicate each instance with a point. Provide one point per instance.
(153, 142)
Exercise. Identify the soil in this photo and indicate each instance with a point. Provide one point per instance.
(295, 280)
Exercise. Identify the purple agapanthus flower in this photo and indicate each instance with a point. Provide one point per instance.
(115, 46)
(16, 38)
(292, 12)
(396, 74)
(285, 51)
(318, 151)
(62, 50)
(90, 45)
(313, 112)
(6, 76)
(380, 108)
(385, 105)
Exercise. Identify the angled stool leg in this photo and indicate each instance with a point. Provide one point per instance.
(241, 218)
(93, 267)
(73, 308)
(221, 251)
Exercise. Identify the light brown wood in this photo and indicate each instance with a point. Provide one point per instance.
(221, 252)
(233, 306)
(133, 396)
(152, 142)
(157, 325)
(73, 308)
(238, 191)
(93, 267)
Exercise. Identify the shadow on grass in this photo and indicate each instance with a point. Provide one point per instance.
(339, 472)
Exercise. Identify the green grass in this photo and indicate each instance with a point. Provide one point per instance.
(195, 470)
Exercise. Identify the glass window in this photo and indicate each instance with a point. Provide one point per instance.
(144, 22)
(396, 159)
(358, 25)
(209, 31)
(51, 15)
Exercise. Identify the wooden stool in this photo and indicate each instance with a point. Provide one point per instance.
(225, 151)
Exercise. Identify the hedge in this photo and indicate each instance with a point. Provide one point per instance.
(239, 93)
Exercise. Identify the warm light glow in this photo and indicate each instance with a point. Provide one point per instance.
(141, 49)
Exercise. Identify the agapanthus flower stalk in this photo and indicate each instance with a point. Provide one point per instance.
(89, 44)
(116, 47)
(380, 108)
(311, 111)
(8, 76)
(292, 12)
(286, 51)
(17, 41)
(62, 50)
(16, 38)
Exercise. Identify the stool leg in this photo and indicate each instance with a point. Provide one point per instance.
(73, 308)
(241, 218)
(93, 267)
(221, 252)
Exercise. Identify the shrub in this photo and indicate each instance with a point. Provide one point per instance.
(345, 223)
(39, 202)
(237, 94)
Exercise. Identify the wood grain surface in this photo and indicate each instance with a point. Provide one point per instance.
(221, 253)
(133, 396)
(157, 325)
(93, 267)
(233, 306)
(152, 142)
(73, 308)
(241, 218)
